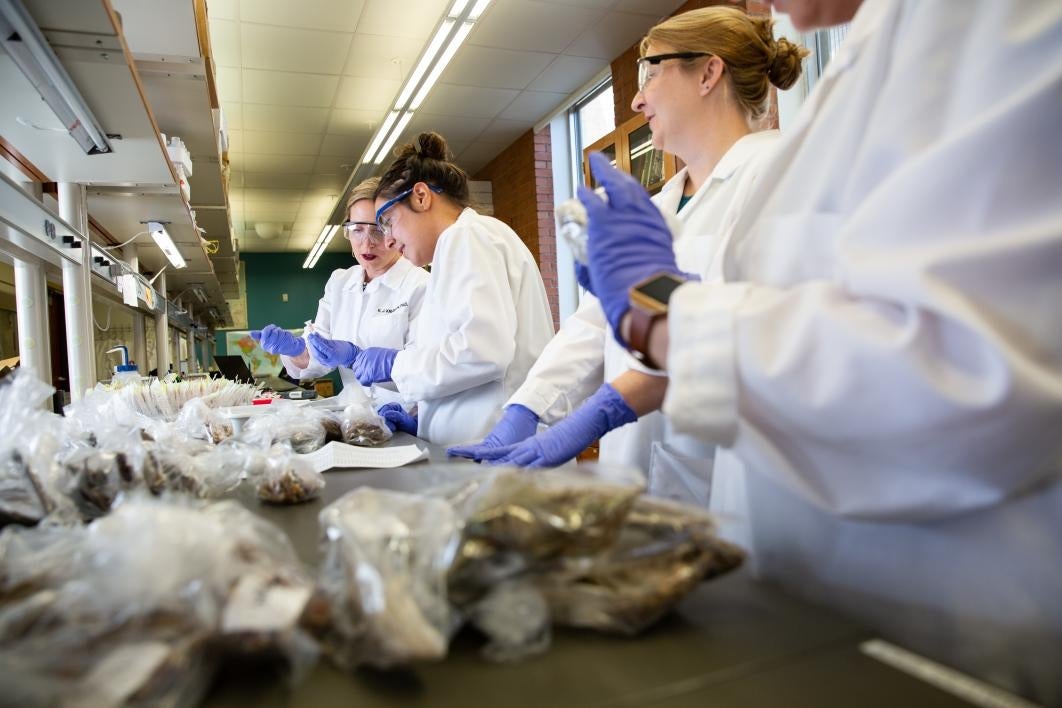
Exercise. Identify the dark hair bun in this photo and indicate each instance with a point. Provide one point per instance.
(787, 63)
(426, 159)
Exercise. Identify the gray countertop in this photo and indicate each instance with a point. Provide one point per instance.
(733, 641)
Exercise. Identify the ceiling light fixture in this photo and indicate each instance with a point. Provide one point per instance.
(451, 33)
(162, 238)
(320, 245)
(31, 52)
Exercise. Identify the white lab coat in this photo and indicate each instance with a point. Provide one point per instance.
(885, 356)
(485, 321)
(584, 353)
(379, 313)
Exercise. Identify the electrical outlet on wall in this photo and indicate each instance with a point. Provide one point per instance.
(283, 297)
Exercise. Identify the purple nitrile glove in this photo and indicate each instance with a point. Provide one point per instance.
(374, 365)
(628, 239)
(332, 352)
(604, 411)
(582, 276)
(516, 425)
(277, 340)
(397, 419)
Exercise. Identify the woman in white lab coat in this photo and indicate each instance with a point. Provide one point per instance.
(373, 303)
(704, 81)
(883, 361)
(485, 318)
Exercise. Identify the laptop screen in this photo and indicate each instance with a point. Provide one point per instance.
(234, 367)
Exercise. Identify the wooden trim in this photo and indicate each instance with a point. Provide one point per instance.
(202, 30)
(16, 158)
(139, 86)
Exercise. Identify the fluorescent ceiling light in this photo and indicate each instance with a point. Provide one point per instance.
(440, 65)
(457, 8)
(31, 52)
(319, 246)
(380, 135)
(394, 137)
(165, 244)
(425, 62)
(199, 293)
(478, 10)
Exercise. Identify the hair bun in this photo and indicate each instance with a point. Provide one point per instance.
(786, 62)
(432, 146)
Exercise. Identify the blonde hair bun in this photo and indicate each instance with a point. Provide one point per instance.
(786, 65)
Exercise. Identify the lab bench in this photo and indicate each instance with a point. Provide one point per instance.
(732, 642)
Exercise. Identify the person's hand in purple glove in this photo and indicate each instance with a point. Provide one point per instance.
(582, 276)
(628, 239)
(374, 365)
(602, 412)
(397, 419)
(517, 424)
(277, 340)
(332, 352)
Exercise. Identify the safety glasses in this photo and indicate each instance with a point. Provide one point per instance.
(360, 231)
(384, 222)
(644, 77)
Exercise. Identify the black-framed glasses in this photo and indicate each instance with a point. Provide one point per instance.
(645, 62)
(359, 231)
(385, 222)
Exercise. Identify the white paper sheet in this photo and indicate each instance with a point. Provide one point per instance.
(341, 455)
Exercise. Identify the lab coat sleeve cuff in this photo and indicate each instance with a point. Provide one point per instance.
(702, 361)
(537, 402)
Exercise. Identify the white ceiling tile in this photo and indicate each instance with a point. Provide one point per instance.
(280, 196)
(345, 145)
(235, 142)
(354, 123)
(532, 26)
(281, 180)
(335, 165)
(264, 211)
(222, 10)
(505, 131)
(589, 4)
(533, 105)
(566, 74)
(402, 18)
(270, 143)
(454, 129)
(296, 164)
(225, 42)
(477, 155)
(329, 183)
(233, 115)
(229, 84)
(379, 56)
(367, 94)
(284, 119)
(495, 68)
(612, 36)
(288, 89)
(451, 100)
(334, 15)
(285, 49)
(657, 9)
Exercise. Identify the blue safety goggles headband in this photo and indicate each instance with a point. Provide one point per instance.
(391, 202)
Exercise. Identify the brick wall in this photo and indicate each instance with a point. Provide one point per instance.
(522, 181)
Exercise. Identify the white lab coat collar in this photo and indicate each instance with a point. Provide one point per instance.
(391, 279)
(738, 155)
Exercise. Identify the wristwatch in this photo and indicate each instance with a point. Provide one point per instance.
(649, 302)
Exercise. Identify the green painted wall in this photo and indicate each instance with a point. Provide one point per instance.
(269, 275)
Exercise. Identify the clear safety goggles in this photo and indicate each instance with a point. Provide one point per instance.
(360, 231)
(384, 222)
(644, 63)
